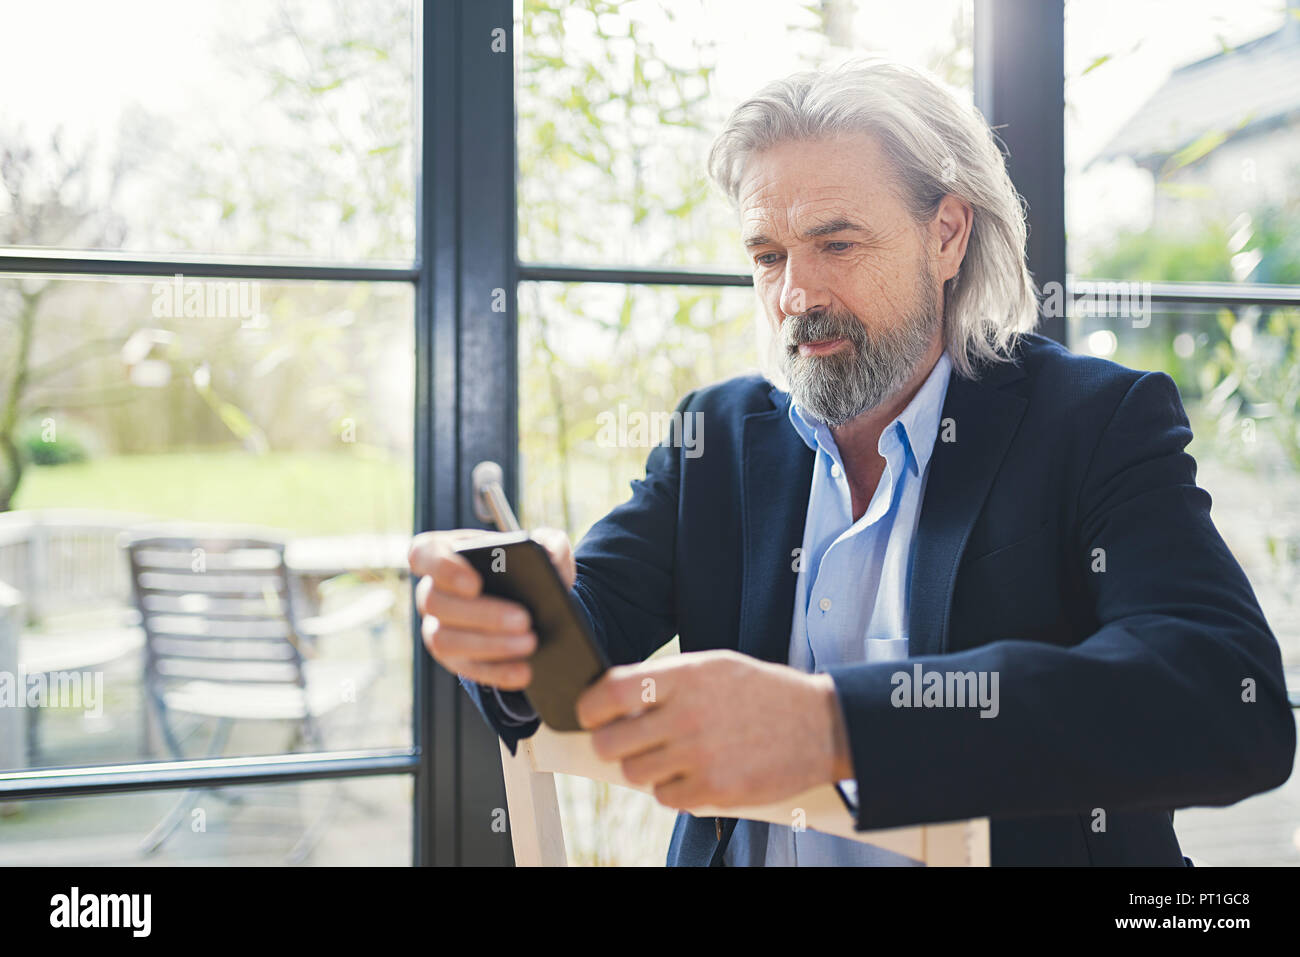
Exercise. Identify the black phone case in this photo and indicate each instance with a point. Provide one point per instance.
(567, 658)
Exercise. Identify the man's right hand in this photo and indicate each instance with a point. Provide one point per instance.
(479, 637)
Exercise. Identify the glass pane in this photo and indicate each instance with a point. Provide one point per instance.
(618, 103)
(357, 821)
(218, 128)
(597, 359)
(596, 364)
(204, 411)
(1181, 140)
(1236, 370)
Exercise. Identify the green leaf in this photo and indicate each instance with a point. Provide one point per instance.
(1096, 63)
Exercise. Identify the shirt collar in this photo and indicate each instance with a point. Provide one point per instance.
(918, 423)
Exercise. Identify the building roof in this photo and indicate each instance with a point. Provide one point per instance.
(1239, 92)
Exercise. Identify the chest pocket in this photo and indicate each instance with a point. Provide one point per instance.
(1012, 591)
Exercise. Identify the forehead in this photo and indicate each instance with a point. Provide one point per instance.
(796, 184)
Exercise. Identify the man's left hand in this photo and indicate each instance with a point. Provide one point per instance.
(718, 728)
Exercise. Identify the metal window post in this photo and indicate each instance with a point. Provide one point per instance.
(1020, 89)
(466, 382)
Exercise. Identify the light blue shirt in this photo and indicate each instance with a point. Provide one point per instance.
(851, 593)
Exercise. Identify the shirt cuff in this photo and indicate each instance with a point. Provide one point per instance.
(515, 707)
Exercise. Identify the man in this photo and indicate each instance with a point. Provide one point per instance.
(937, 485)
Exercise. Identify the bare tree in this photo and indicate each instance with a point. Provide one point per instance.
(50, 200)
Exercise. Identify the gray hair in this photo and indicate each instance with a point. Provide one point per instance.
(938, 146)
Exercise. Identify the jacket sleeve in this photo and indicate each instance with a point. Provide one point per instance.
(626, 563)
(1178, 699)
(624, 581)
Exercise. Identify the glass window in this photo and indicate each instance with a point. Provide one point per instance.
(618, 102)
(273, 411)
(598, 365)
(334, 823)
(1182, 140)
(1236, 370)
(216, 129)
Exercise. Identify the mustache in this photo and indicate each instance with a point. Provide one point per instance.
(819, 325)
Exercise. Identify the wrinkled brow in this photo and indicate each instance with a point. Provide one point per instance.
(839, 225)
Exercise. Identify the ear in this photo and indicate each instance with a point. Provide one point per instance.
(949, 234)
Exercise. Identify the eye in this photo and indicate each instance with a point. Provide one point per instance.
(839, 245)
(767, 259)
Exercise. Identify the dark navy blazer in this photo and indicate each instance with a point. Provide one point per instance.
(1121, 690)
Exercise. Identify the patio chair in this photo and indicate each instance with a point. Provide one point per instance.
(223, 644)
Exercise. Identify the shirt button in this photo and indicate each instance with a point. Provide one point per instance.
(824, 604)
(835, 471)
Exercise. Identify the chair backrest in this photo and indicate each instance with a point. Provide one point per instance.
(538, 836)
(65, 559)
(215, 608)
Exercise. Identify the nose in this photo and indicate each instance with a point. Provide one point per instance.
(801, 289)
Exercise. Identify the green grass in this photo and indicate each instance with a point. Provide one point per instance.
(304, 492)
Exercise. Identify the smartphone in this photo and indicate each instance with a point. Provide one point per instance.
(567, 658)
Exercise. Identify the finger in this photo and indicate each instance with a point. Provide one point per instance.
(431, 550)
(485, 613)
(455, 577)
(453, 574)
(508, 676)
(427, 547)
(447, 643)
(657, 767)
(635, 735)
(681, 793)
(617, 694)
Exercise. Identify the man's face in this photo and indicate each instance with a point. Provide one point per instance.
(843, 272)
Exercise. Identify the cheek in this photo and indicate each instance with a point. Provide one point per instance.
(768, 293)
(879, 290)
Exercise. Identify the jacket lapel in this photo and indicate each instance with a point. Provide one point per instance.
(776, 478)
(984, 418)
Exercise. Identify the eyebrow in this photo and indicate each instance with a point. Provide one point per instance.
(823, 229)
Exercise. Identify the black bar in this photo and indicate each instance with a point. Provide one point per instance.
(1020, 89)
(206, 772)
(538, 272)
(110, 264)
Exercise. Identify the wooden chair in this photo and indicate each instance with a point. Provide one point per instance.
(224, 643)
(538, 835)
